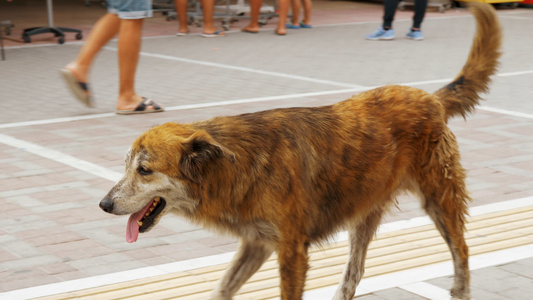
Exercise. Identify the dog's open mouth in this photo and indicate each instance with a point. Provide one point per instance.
(142, 220)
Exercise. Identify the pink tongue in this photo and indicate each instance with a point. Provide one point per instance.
(132, 230)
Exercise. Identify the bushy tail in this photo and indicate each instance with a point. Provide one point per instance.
(462, 95)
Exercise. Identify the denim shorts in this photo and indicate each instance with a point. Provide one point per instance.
(130, 9)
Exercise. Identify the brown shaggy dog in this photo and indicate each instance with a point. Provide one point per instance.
(284, 179)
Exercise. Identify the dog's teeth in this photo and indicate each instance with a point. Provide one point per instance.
(151, 209)
(139, 223)
(155, 204)
(147, 214)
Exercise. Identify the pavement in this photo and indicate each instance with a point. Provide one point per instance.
(59, 158)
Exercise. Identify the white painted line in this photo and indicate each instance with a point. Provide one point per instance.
(427, 290)
(266, 99)
(506, 112)
(61, 158)
(518, 17)
(243, 69)
(500, 206)
(184, 107)
(367, 285)
(519, 73)
(252, 100)
(56, 120)
(114, 278)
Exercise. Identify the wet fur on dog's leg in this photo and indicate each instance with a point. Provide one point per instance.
(360, 237)
(442, 183)
(248, 259)
(293, 265)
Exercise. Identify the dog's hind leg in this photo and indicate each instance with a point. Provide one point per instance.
(442, 183)
(360, 238)
(249, 258)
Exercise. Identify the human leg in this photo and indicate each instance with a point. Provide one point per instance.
(420, 12)
(131, 15)
(208, 9)
(255, 10)
(129, 46)
(103, 31)
(283, 8)
(390, 11)
(181, 8)
(308, 6)
(295, 8)
(385, 32)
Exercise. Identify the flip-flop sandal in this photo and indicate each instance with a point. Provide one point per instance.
(182, 33)
(79, 89)
(141, 108)
(249, 31)
(303, 25)
(217, 33)
(292, 26)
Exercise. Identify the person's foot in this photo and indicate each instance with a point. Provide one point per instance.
(183, 32)
(415, 35)
(292, 26)
(145, 106)
(77, 71)
(212, 31)
(305, 25)
(131, 103)
(281, 30)
(76, 80)
(381, 34)
(218, 33)
(250, 29)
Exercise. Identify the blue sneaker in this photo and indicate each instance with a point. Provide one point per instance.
(415, 35)
(381, 34)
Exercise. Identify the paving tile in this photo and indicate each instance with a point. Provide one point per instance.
(397, 294)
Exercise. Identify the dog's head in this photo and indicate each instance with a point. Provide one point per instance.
(162, 166)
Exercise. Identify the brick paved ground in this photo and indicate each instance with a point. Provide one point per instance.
(51, 229)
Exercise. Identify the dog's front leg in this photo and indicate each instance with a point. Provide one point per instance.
(360, 237)
(293, 264)
(248, 259)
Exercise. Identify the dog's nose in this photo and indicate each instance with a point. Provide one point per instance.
(107, 204)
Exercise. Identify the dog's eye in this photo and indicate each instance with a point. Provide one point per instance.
(144, 170)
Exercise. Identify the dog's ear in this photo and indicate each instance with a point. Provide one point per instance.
(200, 149)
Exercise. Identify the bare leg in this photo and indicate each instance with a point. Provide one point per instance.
(283, 7)
(248, 259)
(295, 7)
(181, 7)
(208, 8)
(308, 6)
(103, 31)
(255, 11)
(129, 46)
(360, 238)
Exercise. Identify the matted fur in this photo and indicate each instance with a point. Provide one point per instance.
(286, 178)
